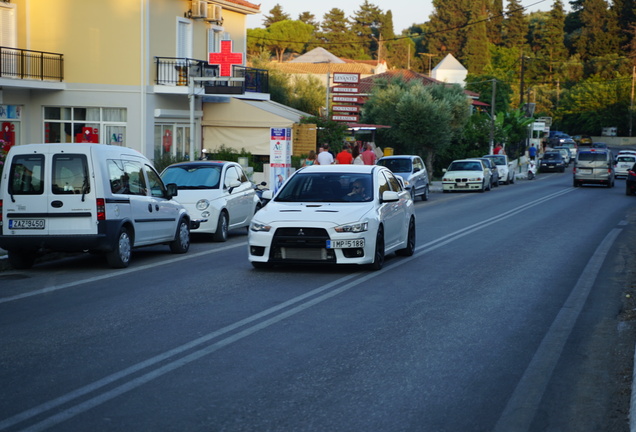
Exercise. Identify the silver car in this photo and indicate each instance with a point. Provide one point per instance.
(412, 170)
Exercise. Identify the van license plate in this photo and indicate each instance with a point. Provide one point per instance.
(344, 244)
(26, 223)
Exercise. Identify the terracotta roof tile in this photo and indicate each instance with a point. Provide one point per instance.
(245, 3)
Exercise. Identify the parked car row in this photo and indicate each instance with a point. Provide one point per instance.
(477, 174)
(110, 200)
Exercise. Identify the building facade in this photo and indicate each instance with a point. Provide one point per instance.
(134, 73)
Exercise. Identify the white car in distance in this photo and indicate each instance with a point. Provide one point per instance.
(466, 175)
(335, 214)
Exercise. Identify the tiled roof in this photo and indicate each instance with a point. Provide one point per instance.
(245, 4)
(321, 68)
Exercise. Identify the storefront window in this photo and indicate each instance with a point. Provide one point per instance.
(88, 125)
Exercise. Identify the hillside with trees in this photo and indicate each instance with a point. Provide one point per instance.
(576, 66)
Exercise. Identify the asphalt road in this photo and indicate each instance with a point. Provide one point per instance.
(505, 319)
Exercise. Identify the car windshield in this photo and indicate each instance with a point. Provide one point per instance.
(465, 166)
(327, 187)
(499, 160)
(193, 176)
(397, 165)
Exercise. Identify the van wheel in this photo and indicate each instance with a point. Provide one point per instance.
(221, 228)
(120, 256)
(378, 256)
(21, 260)
(181, 242)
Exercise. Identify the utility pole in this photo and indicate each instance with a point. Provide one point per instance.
(521, 89)
(631, 105)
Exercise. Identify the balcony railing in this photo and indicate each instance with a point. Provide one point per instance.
(33, 65)
(173, 71)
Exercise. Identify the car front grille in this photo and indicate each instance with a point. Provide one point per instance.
(301, 245)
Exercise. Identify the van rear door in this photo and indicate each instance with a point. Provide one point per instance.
(72, 207)
(25, 201)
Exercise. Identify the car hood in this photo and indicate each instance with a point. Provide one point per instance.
(192, 196)
(336, 213)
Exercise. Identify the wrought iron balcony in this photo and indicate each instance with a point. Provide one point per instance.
(31, 65)
(172, 71)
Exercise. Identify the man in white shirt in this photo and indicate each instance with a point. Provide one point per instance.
(324, 157)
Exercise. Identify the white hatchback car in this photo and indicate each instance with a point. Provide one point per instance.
(466, 175)
(624, 163)
(334, 214)
(217, 194)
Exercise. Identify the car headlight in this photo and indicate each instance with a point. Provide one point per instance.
(259, 227)
(202, 204)
(353, 228)
(475, 179)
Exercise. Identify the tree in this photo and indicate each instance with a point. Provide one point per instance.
(257, 41)
(514, 128)
(515, 28)
(417, 114)
(276, 14)
(495, 24)
(288, 36)
(483, 85)
(336, 35)
(476, 53)
(329, 131)
(595, 103)
(308, 18)
(305, 94)
(599, 34)
(366, 26)
(447, 27)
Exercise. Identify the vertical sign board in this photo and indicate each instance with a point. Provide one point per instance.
(280, 152)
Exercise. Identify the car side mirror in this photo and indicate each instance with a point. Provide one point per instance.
(267, 195)
(233, 184)
(172, 190)
(390, 196)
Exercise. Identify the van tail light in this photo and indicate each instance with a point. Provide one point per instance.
(101, 209)
(0, 212)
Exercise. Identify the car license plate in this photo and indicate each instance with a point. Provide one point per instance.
(26, 223)
(586, 171)
(460, 184)
(344, 244)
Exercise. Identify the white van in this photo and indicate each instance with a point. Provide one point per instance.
(86, 197)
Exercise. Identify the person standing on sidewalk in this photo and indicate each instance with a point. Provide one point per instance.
(345, 157)
(368, 156)
(532, 152)
(324, 157)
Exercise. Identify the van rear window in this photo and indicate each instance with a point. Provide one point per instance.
(593, 157)
(26, 175)
(70, 174)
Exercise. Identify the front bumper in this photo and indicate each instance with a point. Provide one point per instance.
(301, 244)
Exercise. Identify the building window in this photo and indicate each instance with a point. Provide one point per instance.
(172, 140)
(87, 125)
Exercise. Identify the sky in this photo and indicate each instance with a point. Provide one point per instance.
(405, 12)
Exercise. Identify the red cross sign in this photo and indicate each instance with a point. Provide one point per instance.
(226, 58)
